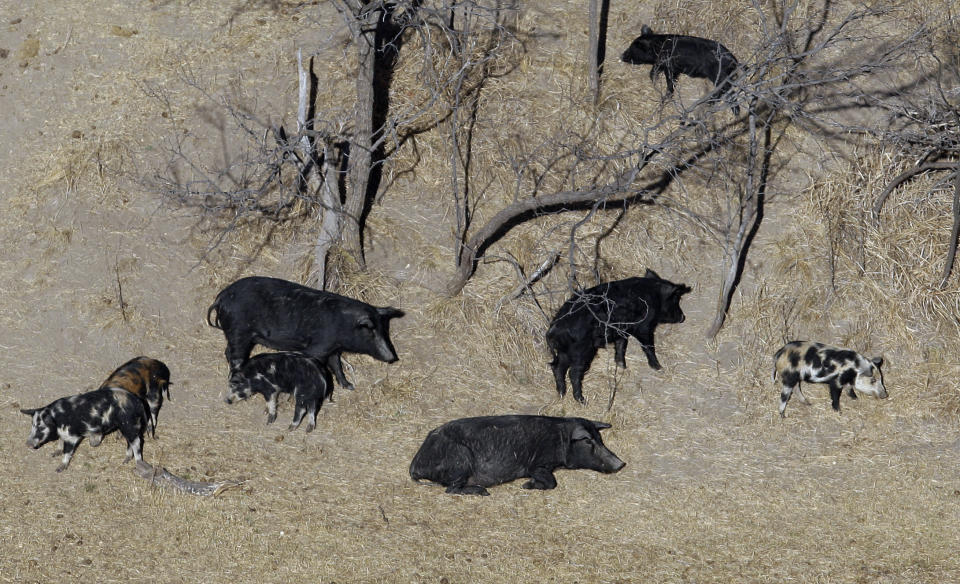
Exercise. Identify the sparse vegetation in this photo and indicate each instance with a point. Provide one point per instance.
(837, 104)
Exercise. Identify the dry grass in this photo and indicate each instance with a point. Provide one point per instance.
(717, 487)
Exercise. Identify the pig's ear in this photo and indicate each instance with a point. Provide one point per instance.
(390, 312)
(650, 273)
(29, 412)
(579, 433)
(645, 30)
(601, 425)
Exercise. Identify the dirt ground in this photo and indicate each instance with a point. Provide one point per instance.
(97, 269)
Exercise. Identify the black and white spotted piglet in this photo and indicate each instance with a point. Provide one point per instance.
(271, 373)
(818, 363)
(90, 415)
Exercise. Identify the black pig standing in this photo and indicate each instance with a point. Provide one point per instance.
(470, 454)
(614, 311)
(673, 54)
(286, 316)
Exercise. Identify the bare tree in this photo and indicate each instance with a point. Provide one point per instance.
(318, 173)
(794, 83)
(464, 46)
(814, 75)
(367, 21)
(598, 14)
(268, 173)
(335, 162)
(258, 175)
(927, 130)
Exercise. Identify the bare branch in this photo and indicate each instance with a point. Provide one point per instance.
(904, 177)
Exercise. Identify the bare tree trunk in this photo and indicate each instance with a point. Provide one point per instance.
(954, 231)
(598, 35)
(331, 228)
(748, 219)
(360, 163)
(456, 158)
(316, 180)
(592, 61)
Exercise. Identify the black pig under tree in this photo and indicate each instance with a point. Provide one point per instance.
(818, 74)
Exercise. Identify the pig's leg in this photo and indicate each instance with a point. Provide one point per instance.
(560, 365)
(69, 447)
(336, 366)
(836, 390)
(542, 479)
(620, 351)
(579, 368)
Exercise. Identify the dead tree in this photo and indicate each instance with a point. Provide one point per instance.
(744, 222)
(335, 162)
(459, 39)
(475, 35)
(364, 18)
(272, 170)
(259, 175)
(792, 83)
(792, 86)
(318, 175)
(928, 133)
(596, 53)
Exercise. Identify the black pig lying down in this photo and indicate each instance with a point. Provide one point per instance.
(286, 316)
(470, 454)
(610, 312)
(271, 373)
(673, 54)
(93, 414)
(145, 377)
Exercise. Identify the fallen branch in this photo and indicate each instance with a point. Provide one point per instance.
(163, 478)
(540, 272)
(525, 287)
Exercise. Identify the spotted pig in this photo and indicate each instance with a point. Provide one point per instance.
(90, 415)
(818, 363)
(146, 378)
(271, 373)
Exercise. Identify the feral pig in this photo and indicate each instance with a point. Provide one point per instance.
(470, 454)
(614, 311)
(93, 414)
(271, 373)
(286, 316)
(145, 377)
(673, 54)
(818, 363)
